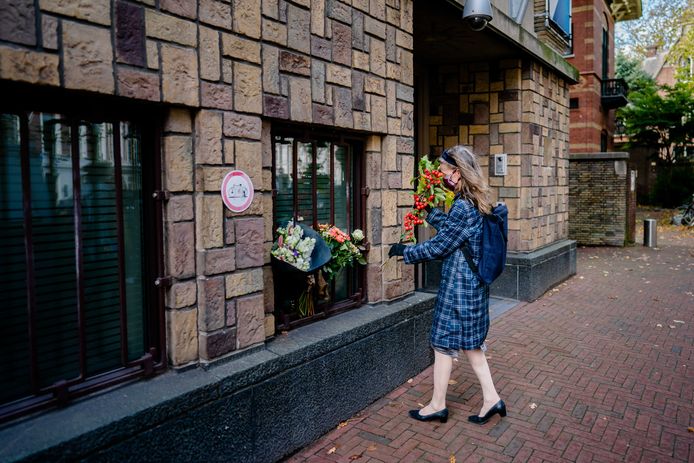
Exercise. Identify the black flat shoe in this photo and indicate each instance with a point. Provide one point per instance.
(440, 415)
(499, 407)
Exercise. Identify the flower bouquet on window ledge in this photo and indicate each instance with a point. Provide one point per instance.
(344, 251)
(297, 253)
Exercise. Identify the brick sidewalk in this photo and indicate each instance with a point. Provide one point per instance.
(600, 368)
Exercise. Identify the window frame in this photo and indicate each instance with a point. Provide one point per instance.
(556, 27)
(24, 99)
(357, 219)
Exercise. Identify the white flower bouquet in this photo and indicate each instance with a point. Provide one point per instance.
(293, 248)
(297, 252)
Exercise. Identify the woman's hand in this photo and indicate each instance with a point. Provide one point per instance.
(396, 250)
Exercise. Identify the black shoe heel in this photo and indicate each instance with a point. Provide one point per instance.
(499, 407)
(441, 415)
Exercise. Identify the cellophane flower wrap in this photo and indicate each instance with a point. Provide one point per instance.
(343, 249)
(429, 192)
(291, 246)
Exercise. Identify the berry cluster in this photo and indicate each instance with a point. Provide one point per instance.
(429, 192)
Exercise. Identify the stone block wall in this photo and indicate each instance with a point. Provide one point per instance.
(516, 107)
(226, 71)
(601, 199)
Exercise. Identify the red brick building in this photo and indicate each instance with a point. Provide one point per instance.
(598, 93)
(602, 192)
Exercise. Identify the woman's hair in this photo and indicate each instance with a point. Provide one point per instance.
(472, 184)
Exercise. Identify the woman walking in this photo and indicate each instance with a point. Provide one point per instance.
(461, 314)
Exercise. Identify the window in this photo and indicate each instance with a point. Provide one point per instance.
(79, 233)
(318, 180)
(559, 12)
(603, 141)
(573, 103)
(605, 54)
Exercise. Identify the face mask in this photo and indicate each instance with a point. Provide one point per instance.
(448, 182)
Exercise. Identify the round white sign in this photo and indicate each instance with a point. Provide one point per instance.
(237, 191)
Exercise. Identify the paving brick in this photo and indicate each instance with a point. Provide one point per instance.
(605, 379)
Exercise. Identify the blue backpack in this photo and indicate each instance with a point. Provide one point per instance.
(493, 246)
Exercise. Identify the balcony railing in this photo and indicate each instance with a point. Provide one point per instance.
(614, 93)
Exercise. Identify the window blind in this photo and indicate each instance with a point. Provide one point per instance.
(78, 241)
(14, 363)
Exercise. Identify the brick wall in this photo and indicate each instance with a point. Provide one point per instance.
(516, 107)
(602, 204)
(225, 70)
(546, 33)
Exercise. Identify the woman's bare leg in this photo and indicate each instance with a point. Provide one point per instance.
(478, 362)
(443, 364)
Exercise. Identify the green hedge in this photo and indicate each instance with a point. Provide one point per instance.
(674, 185)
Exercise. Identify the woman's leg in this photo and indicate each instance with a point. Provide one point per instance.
(478, 362)
(443, 364)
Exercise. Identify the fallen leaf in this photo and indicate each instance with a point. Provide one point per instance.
(355, 457)
(659, 325)
(533, 406)
(678, 321)
(331, 451)
(371, 448)
(452, 381)
(342, 424)
(690, 429)
(451, 459)
(409, 380)
(672, 326)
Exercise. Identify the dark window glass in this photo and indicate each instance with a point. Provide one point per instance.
(603, 141)
(73, 263)
(315, 182)
(605, 54)
(15, 361)
(573, 103)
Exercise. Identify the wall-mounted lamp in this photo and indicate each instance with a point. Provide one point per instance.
(477, 13)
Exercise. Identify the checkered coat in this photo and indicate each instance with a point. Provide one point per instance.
(461, 314)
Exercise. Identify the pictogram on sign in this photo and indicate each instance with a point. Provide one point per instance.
(237, 191)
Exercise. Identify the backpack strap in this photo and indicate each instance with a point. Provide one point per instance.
(470, 262)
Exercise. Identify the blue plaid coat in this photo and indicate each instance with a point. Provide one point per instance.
(461, 314)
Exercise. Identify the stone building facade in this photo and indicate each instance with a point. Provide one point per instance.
(517, 108)
(227, 70)
(223, 77)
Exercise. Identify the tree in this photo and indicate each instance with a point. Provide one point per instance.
(662, 118)
(629, 69)
(661, 25)
(682, 53)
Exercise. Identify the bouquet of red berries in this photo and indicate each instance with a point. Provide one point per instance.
(430, 192)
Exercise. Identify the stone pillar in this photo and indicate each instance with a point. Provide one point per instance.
(600, 198)
(179, 249)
